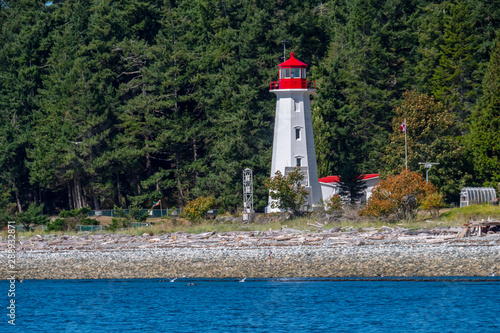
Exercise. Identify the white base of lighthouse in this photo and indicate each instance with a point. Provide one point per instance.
(293, 143)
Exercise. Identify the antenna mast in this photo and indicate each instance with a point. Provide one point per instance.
(247, 194)
(284, 41)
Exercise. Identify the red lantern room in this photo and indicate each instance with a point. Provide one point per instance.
(292, 75)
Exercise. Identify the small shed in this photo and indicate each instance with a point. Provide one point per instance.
(477, 195)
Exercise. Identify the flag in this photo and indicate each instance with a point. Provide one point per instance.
(403, 126)
(157, 203)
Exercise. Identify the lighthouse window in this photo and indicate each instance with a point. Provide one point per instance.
(299, 161)
(295, 73)
(297, 134)
(285, 73)
(303, 73)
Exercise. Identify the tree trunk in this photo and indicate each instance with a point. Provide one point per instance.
(70, 198)
(119, 195)
(79, 201)
(18, 201)
(148, 161)
(179, 184)
(138, 183)
(195, 157)
(95, 199)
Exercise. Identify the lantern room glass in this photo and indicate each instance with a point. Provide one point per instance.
(285, 73)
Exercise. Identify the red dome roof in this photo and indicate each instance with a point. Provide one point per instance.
(292, 62)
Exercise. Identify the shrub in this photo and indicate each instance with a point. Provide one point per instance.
(287, 192)
(197, 208)
(137, 214)
(114, 224)
(119, 212)
(334, 203)
(76, 216)
(399, 195)
(32, 217)
(433, 202)
(57, 225)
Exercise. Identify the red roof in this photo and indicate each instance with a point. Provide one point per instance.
(292, 62)
(335, 179)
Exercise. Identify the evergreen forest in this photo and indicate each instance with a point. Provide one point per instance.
(120, 103)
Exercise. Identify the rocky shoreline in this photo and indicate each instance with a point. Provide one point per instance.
(384, 252)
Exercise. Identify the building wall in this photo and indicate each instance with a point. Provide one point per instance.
(329, 189)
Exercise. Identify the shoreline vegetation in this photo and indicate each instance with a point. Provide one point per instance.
(455, 217)
(282, 248)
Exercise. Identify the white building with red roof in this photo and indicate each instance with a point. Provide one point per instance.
(329, 185)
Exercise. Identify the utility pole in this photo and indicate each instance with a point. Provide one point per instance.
(284, 41)
(427, 166)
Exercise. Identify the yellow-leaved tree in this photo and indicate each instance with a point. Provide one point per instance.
(196, 209)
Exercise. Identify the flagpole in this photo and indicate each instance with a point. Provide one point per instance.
(406, 149)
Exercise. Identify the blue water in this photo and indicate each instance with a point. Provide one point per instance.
(269, 305)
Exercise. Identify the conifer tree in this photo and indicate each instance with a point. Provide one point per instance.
(454, 81)
(485, 125)
(351, 183)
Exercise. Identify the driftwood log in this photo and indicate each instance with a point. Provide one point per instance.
(479, 228)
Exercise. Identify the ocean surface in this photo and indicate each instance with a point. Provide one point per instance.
(256, 305)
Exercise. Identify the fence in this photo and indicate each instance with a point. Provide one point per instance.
(152, 213)
(139, 224)
(89, 227)
(21, 227)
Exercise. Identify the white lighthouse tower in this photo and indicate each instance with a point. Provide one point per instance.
(293, 143)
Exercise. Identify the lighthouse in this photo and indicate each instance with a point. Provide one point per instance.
(293, 144)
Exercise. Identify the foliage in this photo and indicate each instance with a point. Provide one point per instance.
(433, 202)
(400, 195)
(114, 224)
(74, 217)
(351, 184)
(119, 212)
(334, 203)
(454, 81)
(32, 217)
(485, 123)
(431, 137)
(57, 225)
(196, 209)
(287, 192)
(136, 214)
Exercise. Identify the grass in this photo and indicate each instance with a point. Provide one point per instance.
(454, 217)
(472, 212)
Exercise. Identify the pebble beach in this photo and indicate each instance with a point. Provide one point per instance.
(384, 252)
